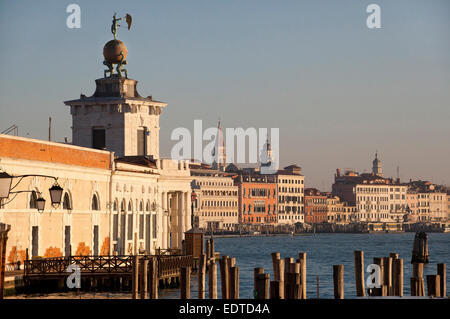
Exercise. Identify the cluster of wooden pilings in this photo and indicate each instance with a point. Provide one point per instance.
(145, 278)
(289, 279)
(391, 275)
(391, 278)
(436, 284)
(229, 275)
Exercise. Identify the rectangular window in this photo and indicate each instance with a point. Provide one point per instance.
(141, 226)
(147, 233)
(141, 139)
(98, 139)
(35, 241)
(95, 240)
(115, 226)
(121, 249)
(67, 248)
(130, 227)
(154, 226)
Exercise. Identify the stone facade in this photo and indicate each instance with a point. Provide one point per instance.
(257, 198)
(216, 203)
(290, 184)
(122, 120)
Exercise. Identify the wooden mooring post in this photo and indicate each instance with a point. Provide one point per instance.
(277, 285)
(143, 268)
(387, 272)
(381, 291)
(224, 277)
(443, 277)
(359, 273)
(256, 271)
(288, 261)
(417, 280)
(208, 249)
(154, 279)
(212, 282)
(135, 278)
(433, 285)
(185, 283)
(234, 279)
(302, 258)
(201, 276)
(338, 281)
(420, 248)
(397, 271)
(262, 286)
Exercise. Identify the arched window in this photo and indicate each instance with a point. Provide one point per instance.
(115, 205)
(33, 198)
(141, 206)
(95, 204)
(66, 202)
(147, 206)
(130, 206)
(122, 206)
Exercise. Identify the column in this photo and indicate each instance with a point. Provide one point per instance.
(188, 212)
(164, 241)
(181, 218)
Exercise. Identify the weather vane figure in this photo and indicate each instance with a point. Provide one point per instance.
(115, 23)
(115, 51)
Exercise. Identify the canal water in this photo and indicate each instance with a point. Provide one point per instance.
(322, 252)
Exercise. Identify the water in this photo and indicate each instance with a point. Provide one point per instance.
(325, 250)
(322, 252)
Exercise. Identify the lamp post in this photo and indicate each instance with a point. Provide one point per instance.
(164, 211)
(193, 199)
(6, 189)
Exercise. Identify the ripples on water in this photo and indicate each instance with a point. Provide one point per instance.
(322, 252)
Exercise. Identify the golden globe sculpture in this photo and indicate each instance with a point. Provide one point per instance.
(115, 51)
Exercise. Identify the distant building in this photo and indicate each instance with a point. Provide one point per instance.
(316, 206)
(376, 198)
(290, 184)
(427, 202)
(216, 199)
(257, 198)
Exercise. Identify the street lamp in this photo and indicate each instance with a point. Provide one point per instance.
(193, 199)
(6, 189)
(5, 184)
(40, 204)
(56, 194)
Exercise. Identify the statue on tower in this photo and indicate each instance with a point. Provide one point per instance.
(115, 51)
(115, 23)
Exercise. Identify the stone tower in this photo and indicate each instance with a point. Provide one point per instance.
(266, 154)
(219, 152)
(116, 117)
(376, 168)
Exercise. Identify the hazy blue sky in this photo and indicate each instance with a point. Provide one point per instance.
(337, 90)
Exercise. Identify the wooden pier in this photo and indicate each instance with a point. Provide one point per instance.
(111, 273)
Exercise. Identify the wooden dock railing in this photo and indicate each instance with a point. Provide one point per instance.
(168, 266)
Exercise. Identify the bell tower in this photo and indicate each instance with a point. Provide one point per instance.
(376, 167)
(116, 117)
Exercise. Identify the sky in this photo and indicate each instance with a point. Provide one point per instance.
(337, 90)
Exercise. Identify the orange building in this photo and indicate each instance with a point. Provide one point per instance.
(257, 198)
(316, 207)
